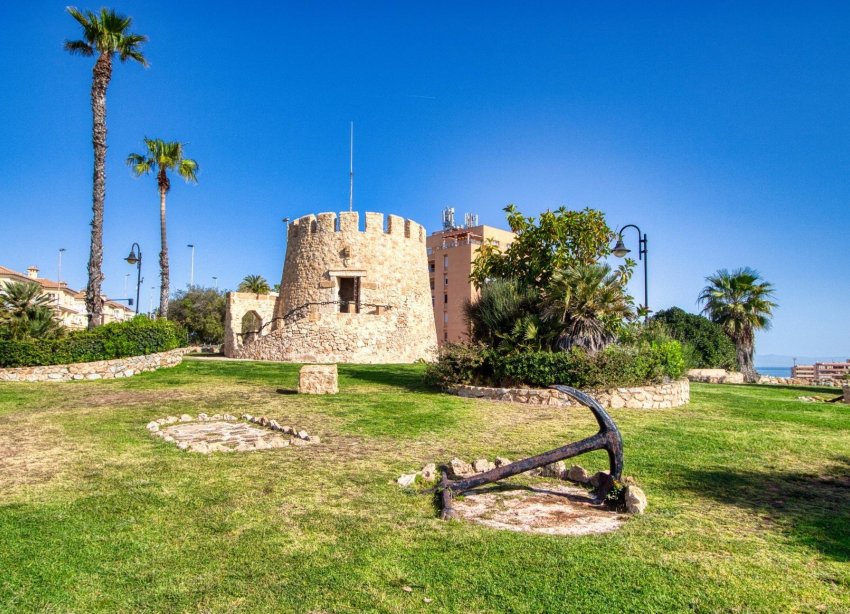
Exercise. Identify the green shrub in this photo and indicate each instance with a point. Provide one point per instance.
(136, 337)
(457, 363)
(706, 345)
(615, 366)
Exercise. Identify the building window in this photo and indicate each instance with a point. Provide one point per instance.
(445, 281)
(445, 317)
(445, 261)
(445, 335)
(445, 299)
(433, 301)
(432, 284)
(431, 267)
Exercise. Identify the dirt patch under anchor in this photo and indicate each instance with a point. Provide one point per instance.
(548, 509)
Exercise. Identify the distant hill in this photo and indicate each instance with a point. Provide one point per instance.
(778, 360)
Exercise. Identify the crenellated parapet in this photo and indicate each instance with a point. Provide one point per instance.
(320, 225)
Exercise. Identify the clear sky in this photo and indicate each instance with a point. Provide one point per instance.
(720, 128)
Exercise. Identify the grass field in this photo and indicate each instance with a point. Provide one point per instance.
(749, 502)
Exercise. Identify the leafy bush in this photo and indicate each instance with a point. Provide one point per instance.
(705, 344)
(457, 363)
(136, 337)
(617, 365)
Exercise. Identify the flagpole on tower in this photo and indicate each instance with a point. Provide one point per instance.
(351, 171)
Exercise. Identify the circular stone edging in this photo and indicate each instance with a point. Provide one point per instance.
(655, 396)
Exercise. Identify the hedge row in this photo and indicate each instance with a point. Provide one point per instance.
(615, 366)
(136, 337)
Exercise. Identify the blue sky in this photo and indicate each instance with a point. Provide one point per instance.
(720, 128)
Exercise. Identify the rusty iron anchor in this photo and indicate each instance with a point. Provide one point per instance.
(608, 438)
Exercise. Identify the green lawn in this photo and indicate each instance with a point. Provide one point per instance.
(749, 502)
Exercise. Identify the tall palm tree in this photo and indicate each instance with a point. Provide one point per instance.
(162, 157)
(589, 302)
(104, 34)
(741, 302)
(254, 283)
(26, 312)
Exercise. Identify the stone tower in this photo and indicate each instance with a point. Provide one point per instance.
(350, 295)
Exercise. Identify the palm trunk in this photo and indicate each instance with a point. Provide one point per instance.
(163, 258)
(101, 75)
(744, 352)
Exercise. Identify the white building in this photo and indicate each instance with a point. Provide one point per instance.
(70, 305)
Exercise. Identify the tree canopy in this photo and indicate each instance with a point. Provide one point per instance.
(201, 312)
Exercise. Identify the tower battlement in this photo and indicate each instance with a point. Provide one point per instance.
(376, 224)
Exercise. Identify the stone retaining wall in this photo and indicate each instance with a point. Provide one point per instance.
(715, 376)
(101, 369)
(658, 396)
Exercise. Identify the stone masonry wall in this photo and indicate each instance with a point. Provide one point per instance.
(396, 322)
(239, 304)
(658, 396)
(101, 369)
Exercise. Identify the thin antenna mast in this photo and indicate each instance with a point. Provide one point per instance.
(351, 172)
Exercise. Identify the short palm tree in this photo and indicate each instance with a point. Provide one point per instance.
(506, 316)
(254, 283)
(741, 302)
(160, 158)
(105, 34)
(26, 312)
(590, 303)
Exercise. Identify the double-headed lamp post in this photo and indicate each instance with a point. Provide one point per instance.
(621, 251)
(135, 257)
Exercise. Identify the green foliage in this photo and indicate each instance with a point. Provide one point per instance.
(704, 343)
(641, 363)
(505, 317)
(254, 283)
(741, 302)
(558, 240)
(27, 313)
(457, 363)
(136, 337)
(590, 304)
(160, 157)
(548, 290)
(201, 312)
(106, 33)
(612, 367)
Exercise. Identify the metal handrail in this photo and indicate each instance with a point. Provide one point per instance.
(289, 315)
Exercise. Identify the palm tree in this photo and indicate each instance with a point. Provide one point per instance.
(161, 157)
(105, 34)
(25, 312)
(506, 316)
(589, 303)
(254, 283)
(741, 302)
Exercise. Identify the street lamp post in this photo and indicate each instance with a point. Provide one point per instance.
(135, 257)
(620, 250)
(215, 282)
(192, 267)
(59, 272)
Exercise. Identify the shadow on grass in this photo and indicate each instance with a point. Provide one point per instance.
(408, 377)
(811, 509)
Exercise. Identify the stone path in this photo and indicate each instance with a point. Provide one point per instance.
(225, 433)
